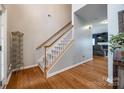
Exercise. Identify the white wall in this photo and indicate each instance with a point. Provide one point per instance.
(83, 39)
(33, 20)
(112, 29)
(76, 7)
(3, 40)
(99, 28)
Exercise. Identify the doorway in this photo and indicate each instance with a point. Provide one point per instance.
(93, 25)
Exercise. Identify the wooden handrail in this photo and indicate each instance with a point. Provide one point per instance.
(58, 38)
(54, 35)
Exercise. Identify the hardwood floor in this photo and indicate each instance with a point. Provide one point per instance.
(92, 75)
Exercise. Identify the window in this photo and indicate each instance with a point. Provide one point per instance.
(93, 41)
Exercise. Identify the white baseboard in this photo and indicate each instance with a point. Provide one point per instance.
(25, 67)
(109, 80)
(67, 68)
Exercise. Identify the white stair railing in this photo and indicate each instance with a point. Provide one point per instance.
(51, 53)
(55, 50)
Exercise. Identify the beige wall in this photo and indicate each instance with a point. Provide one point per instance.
(33, 20)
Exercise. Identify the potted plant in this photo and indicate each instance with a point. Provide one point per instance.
(117, 44)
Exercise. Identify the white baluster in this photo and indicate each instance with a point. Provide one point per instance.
(56, 49)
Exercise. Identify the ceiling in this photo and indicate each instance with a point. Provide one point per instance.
(93, 12)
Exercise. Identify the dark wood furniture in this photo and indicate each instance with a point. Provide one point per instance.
(121, 21)
(118, 64)
(116, 77)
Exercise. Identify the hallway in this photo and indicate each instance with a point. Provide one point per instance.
(90, 75)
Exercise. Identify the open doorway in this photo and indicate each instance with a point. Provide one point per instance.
(100, 39)
(92, 21)
(94, 18)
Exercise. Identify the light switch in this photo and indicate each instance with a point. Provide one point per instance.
(0, 47)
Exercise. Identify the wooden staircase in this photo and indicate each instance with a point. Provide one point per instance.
(52, 50)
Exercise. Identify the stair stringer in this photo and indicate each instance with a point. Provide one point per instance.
(67, 53)
(61, 55)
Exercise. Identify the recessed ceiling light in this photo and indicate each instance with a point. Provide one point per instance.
(87, 27)
(104, 21)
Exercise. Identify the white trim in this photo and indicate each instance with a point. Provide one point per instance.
(25, 67)
(69, 67)
(7, 81)
(109, 80)
(40, 67)
(3, 68)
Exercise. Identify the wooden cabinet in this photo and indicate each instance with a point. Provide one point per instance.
(121, 21)
(116, 78)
